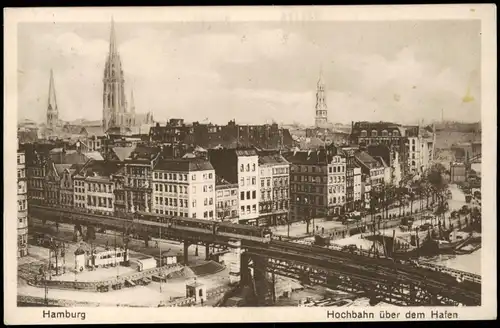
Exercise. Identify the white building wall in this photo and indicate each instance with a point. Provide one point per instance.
(248, 182)
(337, 181)
(357, 184)
(185, 194)
(170, 193)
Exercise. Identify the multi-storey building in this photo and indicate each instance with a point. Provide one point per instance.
(420, 143)
(317, 183)
(274, 193)
(231, 135)
(22, 206)
(390, 159)
(240, 166)
(351, 178)
(336, 184)
(372, 168)
(383, 133)
(53, 184)
(65, 173)
(98, 185)
(36, 169)
(226, 198)
(184, 187)
(137, 186)
(357, 187)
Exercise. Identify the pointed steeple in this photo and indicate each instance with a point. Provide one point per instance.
(321, 84)
(112, 39)
(132, 103)
(52, 103)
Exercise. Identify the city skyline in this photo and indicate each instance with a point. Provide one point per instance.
(417, 74)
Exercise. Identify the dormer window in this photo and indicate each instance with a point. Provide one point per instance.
(363, 133)
(384, 133)
(374, 133)
(395, 133)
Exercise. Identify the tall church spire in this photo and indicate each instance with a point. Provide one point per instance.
(114, 113)
(52, 104)
(321, 118)
(112, 39)
(52, 111)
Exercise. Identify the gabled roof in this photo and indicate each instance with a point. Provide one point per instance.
(94, 155)
(61, 167)
(364, 158)
(381, 161)
(99, 168)
(123, 152)
(95, 130)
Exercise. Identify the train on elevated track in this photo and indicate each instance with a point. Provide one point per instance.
(226, 229)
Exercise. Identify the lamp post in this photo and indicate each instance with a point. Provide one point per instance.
(161, 260)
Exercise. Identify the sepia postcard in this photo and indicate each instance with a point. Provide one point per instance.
(249, 164)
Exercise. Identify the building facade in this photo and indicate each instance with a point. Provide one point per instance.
(184, 187)
(94, 186)
(226, 198)
(138, 172)
(240, 166)
(317, 183)
(392, 135)
(22, 206)
(274, 182)
(420, 143)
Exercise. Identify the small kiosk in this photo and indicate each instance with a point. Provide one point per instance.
(197, 290)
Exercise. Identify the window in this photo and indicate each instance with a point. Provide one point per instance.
(193, 177)
(248, 195)
(254, 194)
(253, 167)
(374, 133)
(242, 181)
(384, 133)
(242, 210)
(363, 133)
(253, 181)
(205, 214)
(242, 168)
(210, 175)
(262, 183)
(254, 208)
(248, 167)
(242, 195)
(194, 203)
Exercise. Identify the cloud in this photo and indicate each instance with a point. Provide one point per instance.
(254, 74)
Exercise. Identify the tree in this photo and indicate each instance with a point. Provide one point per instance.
(412, 199)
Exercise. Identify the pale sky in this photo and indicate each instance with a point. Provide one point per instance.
(257, 73)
